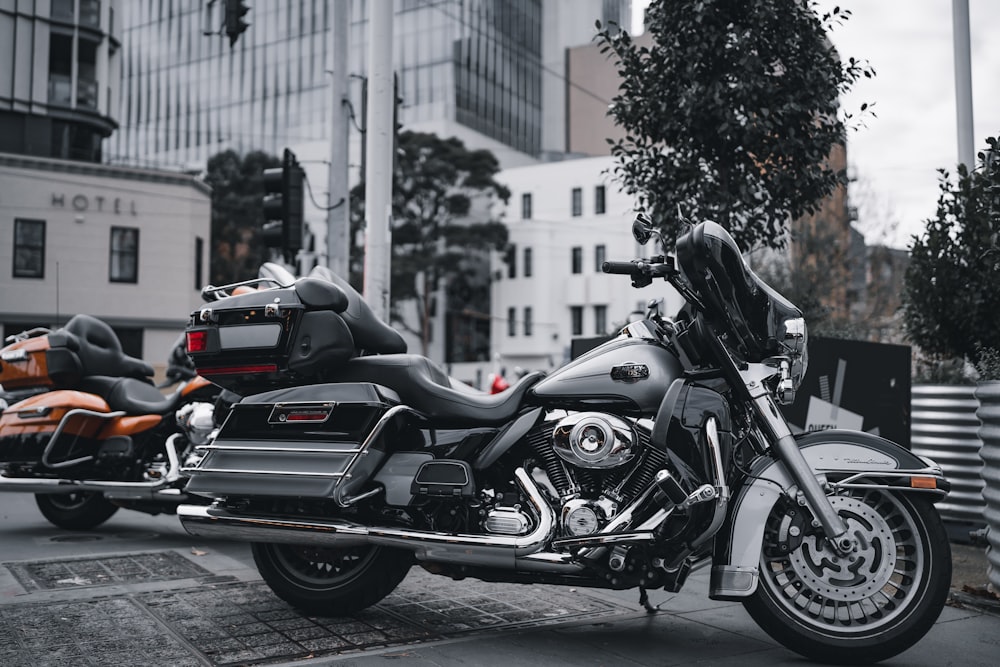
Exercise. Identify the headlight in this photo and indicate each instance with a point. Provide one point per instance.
(796, 346)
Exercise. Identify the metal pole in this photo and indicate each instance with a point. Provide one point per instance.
(378, 170)
(338, 218)
(963, 82)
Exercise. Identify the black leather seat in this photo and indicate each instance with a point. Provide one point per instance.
(424, 386)
(132, 396)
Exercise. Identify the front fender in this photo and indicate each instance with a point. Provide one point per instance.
(844, 460)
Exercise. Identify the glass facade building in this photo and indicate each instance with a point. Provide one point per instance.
(187, 95)
(59, 74)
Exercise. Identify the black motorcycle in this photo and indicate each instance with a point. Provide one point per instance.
(655, 453)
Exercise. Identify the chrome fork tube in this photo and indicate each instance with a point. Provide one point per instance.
(788, 452)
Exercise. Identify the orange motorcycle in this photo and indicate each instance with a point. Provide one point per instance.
(98, 435)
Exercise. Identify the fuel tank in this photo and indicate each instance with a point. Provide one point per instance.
(628, 374)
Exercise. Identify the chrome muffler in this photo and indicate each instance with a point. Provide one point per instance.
(501, 551)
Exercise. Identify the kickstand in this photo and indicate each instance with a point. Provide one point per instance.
(644, 601)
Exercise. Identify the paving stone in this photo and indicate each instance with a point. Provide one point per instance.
(104, 570)
(227, 624)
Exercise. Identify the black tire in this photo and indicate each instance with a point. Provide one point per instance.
(325, 581)
(899, 577)
(75, 511)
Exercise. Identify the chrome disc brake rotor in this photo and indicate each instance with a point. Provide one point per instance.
(858, 575)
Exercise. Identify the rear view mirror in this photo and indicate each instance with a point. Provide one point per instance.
(642, 229)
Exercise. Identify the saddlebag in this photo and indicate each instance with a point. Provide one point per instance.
(271, 338)
(318, 441)
(65, 422)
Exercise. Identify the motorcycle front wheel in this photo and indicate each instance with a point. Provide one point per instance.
(868, 606)
(82, 510)
(329, 581)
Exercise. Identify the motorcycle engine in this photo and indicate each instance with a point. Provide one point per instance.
(594, 440)
(596, 463)
(197, 422)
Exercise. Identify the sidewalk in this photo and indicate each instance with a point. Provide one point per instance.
(141, 591)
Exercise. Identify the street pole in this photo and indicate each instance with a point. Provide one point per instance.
(379, 134)
(963, 82)
(338, 217)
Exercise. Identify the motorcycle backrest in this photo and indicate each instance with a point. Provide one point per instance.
(100, 351)
(370, 333)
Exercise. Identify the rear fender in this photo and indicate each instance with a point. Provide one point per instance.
(841, 459)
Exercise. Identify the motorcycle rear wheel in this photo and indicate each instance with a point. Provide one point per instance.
(869, 606)
(82, 510)
(327, 581)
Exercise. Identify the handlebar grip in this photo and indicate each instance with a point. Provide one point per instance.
(624, 268)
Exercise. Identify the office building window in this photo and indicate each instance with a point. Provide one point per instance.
(29, 248)
(527, 262)
(527, 321)
(599, 203)
(199, 251)
(576, 320)
(600, 320)
(526, 206)
(512, 261)
(577, 202)
(577, 259)
(600, 254)
(124, 255)
(511, 322)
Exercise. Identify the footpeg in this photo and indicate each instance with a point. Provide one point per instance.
(703, 494)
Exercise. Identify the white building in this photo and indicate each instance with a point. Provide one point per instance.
(129, 246)
(565, 219)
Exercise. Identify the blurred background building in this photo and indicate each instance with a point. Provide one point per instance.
(60, 66)
(130, 246)
(491, 72)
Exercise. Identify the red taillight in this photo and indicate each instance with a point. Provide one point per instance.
(197, 341)
(298, 413)
(239, 370)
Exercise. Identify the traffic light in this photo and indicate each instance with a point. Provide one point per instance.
(283, 203)
(235, 25)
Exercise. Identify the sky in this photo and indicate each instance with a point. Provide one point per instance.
(894, 156)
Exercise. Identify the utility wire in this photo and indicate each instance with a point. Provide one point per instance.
(315, 203)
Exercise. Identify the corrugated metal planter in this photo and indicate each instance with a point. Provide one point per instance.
(988, 394)
(944, 428)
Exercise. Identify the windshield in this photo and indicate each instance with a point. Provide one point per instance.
(734, 296)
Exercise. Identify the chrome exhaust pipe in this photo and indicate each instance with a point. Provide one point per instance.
(503, 551)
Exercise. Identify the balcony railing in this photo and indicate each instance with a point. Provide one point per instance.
(86, 93)
(60, 89)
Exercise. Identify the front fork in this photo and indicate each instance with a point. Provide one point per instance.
(783, 443)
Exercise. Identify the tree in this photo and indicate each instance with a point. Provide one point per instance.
(730, 114)
(237, 215)
(951, 301)
(442, 226)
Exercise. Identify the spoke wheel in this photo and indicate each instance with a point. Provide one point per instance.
(863, 607)
(75, 511)
(331, 581)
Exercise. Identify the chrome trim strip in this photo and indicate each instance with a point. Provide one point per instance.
(291, 450)
(285, 473)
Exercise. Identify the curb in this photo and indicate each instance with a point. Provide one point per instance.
(975, 598)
